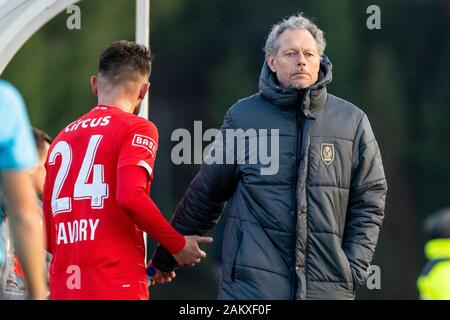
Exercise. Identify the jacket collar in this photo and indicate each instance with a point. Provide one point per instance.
(437, 249)
(310, 98)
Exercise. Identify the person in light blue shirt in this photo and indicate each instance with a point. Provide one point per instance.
(18, 155)
(17, 148)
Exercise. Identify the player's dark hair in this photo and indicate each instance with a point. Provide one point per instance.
(124, 61)
(40, 137)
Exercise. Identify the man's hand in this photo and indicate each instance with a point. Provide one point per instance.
(191, 254)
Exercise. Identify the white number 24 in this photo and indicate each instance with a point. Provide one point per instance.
(97, 191)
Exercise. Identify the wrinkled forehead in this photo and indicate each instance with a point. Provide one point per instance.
(296, 38)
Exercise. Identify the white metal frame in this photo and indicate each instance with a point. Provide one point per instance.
(20, 19)
(143, 37)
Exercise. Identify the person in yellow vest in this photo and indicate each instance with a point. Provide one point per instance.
(434, 282)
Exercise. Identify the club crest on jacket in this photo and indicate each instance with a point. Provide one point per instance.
(327, 153)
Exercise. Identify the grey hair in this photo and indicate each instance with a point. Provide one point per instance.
(294, 22)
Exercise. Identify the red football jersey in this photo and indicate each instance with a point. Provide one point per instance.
(98, 252)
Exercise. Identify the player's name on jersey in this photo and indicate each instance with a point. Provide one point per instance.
(88, 123)
(76, 231)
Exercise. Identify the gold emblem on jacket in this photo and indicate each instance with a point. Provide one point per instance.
(327, 153)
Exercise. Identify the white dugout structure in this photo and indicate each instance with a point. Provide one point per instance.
(20, 19)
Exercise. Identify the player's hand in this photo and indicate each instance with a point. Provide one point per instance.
(158, 276)
(162, 277)
(191, 254)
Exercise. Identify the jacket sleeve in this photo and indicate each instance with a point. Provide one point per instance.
(366, 205)
(203, 203)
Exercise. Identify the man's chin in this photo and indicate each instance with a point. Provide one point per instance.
(298, 85)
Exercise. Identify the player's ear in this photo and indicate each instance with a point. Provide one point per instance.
(94, 85)
(143, 91)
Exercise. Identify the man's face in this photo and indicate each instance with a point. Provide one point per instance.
(38, 172)
(297, 61)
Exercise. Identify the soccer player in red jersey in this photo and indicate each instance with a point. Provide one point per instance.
(96, 203)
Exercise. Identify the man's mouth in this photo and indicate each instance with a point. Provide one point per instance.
(300, 74)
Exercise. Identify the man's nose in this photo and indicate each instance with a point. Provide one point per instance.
(301, 60)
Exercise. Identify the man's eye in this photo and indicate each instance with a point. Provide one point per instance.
(290, 54)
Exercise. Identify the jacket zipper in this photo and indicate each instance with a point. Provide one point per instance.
(304, 144)
(298, 148)
(305, 128)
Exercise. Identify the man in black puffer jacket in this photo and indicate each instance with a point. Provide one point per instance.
(308, 228)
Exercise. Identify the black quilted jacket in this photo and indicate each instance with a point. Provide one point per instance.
(310, 230)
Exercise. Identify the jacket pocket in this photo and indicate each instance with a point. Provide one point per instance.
(350, 277)
(347, 272)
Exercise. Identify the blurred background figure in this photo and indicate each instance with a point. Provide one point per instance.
(43, 142)
(15, 282)
(434, 282)
(17, 156)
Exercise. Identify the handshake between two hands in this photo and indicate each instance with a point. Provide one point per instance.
(190, 255)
